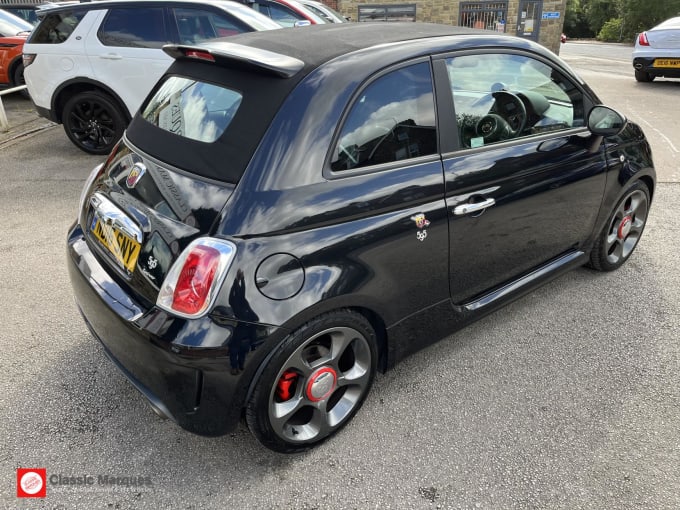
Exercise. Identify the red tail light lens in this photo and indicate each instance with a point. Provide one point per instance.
(201, 55)
(191, 285)
(642, 39)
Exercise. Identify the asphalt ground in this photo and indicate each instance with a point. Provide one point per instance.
(22, 118)
(566, 399)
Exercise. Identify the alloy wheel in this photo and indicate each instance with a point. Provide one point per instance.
(626, 226)
(320, 385)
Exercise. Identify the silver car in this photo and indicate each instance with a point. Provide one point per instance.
(657, 51)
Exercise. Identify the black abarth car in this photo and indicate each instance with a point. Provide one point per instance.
(290, 212)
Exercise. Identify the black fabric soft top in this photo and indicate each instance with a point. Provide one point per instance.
(317, 44)
(263, 93)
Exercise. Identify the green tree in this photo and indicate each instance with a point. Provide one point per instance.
(611, 31)
(575, 20)
(640, 15)
(598, 12)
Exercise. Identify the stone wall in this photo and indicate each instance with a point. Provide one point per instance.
(447, 12)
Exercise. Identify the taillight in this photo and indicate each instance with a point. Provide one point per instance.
(191, 285)
(201, 55)
(642, 39)
(28, 59)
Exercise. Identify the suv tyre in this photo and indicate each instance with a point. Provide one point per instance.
(93, 121)
(18, 79)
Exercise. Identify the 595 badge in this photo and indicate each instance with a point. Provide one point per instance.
(421, 222)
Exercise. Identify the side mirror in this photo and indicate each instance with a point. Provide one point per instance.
(605, 121)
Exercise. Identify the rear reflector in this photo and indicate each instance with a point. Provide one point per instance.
(192, 284)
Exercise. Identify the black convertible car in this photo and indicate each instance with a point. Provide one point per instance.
(290, 212)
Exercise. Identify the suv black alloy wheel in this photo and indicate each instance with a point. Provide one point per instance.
(93, 121)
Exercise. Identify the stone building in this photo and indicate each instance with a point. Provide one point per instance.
(539, 20)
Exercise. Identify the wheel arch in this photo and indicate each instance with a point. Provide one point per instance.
(373, 318)
(74, 86)
(650, 183)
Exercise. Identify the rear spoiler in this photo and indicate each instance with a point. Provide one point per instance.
(228, 53)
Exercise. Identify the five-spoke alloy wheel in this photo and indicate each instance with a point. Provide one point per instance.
(623, 229)
(315, 382)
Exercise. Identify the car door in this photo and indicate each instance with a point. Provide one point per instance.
(524, 177)
(126, 50)
(386, 167)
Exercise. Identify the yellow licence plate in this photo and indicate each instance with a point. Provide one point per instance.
(667, 62)
(124, 249)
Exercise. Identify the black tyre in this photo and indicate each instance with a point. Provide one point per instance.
(93, 121)
(314, 383)
(18, 79)
(643, 76)
(623, 230)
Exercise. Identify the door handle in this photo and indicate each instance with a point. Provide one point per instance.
(111, 56)
(464, 209)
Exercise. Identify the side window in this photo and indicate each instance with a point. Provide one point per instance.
(196, 25)
(142, 27)
(498, 97)
(392, 120)
(283, 16)
(56, 27)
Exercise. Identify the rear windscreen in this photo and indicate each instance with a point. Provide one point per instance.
(192, 109)
(208, 119)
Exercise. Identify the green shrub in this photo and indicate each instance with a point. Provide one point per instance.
(611, 31)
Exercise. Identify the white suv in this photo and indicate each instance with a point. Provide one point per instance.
(89, 66)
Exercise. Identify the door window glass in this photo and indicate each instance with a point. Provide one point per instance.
(499, 97)
(196, 25)
(136, 28)
(393, 119)
(283, 16)
(56, 27)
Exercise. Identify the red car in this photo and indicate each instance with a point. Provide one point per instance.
(13, 33)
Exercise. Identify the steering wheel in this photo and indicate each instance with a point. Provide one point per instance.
(508, 121)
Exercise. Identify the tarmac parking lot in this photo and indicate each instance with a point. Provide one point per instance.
(568, 398)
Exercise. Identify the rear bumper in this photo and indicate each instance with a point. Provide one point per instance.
(646, 64)
(45, 113)
(200, 388)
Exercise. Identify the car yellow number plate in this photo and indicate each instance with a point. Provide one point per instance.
(667, 62)
(124, 249)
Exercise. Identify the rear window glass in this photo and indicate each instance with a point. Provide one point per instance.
(192, 109)
(209, 95)
(11, 24)
(56, 27)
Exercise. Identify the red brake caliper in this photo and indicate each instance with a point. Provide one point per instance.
(285, 384)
